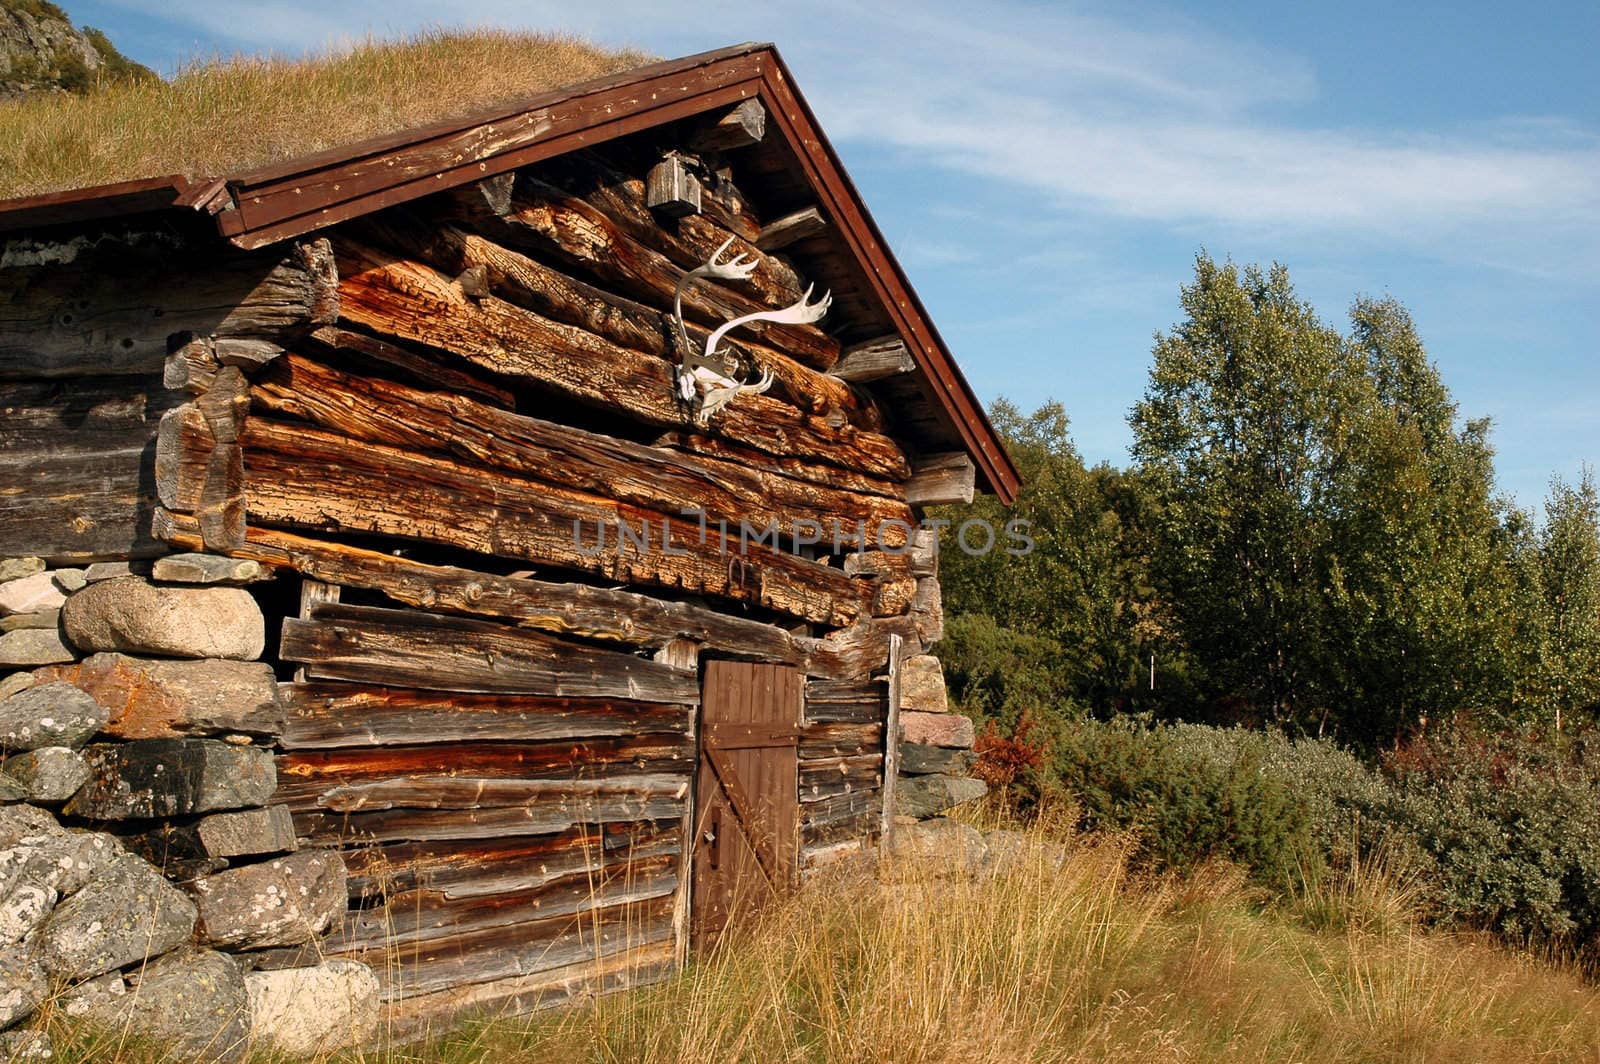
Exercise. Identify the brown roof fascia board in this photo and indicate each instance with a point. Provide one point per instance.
(843, 204)
(104, 201)
(282, 202)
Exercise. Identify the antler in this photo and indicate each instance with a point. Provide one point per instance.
(803, 312)
(737, 270)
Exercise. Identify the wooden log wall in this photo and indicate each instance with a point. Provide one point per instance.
(432, 412)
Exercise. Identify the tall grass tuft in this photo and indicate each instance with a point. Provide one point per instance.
(223, 116)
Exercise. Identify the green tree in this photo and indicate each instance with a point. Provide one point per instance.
(1062, 629)
(1329, 540)
(1565, 602)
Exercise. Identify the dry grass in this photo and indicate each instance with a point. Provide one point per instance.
(1062, 956)
(223, 117)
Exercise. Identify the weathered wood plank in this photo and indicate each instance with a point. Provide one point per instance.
(790, 229)
(939, 479)
(341, 715)
(521, 949)
(549, 220)
(413, 917)
(741, 127)
(417, 649)
(625, 966)
(672, 189)
(427, 825)
(302, 477)
(833, 776)
(795, 468)
(77, 457)
(413, 302)
(545, 290)
(308, 777)
(473, 868)
(874, 360)
(824, 739)
(687, 242)
(471, 792)
(668, 482)
(113, 312)
(426, 372)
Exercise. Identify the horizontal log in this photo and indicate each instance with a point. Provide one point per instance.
(687, 242)
(415, 303)
(521, 949)
(940, 479)
(846, 702)
(791, 229)
(342, 715)
(665, 481)
(474, 868)
(79, 466)
(413, 917)
(415, 367)
(794, 468)
(834, 776)
(469, 792)
(545, 290)
(855, 815)
(485, 775)
(823, 739)
(114, 311)
(303, 477)
(422, 1015)
(741, 127)
(427, 825)
(874, 360)
(417, 649)
(548, 220)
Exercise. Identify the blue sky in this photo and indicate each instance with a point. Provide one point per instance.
(1047, 172)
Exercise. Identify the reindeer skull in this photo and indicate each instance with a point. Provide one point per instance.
(706, 375)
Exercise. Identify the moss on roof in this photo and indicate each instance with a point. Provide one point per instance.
(225, 116)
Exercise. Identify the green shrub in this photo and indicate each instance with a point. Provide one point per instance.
(1185, 804)
(1512, 821)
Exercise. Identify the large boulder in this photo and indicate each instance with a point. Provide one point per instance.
(306, 1011)
(926, 796)
(126, 913)
(276, 903)
(153, 698)
(191, 1000)
(133, 615)
(62, 862)
(172, 777)
(49, 714)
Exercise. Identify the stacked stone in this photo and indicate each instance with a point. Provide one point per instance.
(935, 745)
(139, 850)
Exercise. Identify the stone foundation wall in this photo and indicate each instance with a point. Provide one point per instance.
(146, 878)
(935, 746)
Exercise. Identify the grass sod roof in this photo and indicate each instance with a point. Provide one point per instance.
(225, 116)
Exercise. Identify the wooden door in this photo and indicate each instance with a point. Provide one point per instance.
(747, 792)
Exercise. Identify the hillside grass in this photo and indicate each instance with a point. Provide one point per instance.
(225, 116)
(1064, 955)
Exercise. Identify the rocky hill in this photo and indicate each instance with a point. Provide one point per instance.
(41, 51)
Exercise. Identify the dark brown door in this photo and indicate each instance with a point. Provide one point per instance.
(747, 806)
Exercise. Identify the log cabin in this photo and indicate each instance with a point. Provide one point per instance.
(586, 444)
